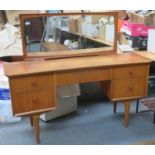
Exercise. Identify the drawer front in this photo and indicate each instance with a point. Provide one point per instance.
(31, 83)
(130, 71)
(28, 102)
(89, 75)
(124, 88)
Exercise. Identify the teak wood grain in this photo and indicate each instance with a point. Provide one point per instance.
(33, 83)
(83, 76)
(130, 71)
(44, 66)
(33, 93)
(146, 54)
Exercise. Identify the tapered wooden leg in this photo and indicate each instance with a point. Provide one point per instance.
(154, 117)
(36, 128)
(126, 113)
(31, 121)
(114, 107)
(137, 105)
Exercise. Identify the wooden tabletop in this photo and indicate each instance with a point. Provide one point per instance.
(58, 65)
(146, 54)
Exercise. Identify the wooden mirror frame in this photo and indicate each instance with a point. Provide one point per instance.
(65, 54)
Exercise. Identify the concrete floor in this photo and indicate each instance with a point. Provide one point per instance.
(93, 123)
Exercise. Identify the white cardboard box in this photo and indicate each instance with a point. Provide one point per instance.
(66, 102)
(64, 106)
(151, 38)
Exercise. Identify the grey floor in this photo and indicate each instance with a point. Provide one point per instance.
(93, 123)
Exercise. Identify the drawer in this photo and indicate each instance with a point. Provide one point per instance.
(130, 71)
(82, 76)
(28, 102)
(30, 83)
(124, 88)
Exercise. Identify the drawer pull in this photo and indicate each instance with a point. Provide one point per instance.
(34, 99)
(130, 87)
(131, 73)
(33, 83)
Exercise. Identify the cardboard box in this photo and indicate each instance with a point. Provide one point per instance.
(81, 20)
(87, 28)
(151, 38)
(79, 27)
(93, 19)
(102, 32)
(80, 23)
(133, 29)
(138, 42)
(2, 19)
(66, 102)
(122, 14)
(13, 15)
(147, 19)
(73, 25)
(64, 106)
(109, 32)
(92, 30)
(68, 90)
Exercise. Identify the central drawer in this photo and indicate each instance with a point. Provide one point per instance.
(130, 71)
(82, 76)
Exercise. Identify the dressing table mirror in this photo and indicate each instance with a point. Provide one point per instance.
(68, 34)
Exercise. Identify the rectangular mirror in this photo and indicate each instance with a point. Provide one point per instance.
(68, 34)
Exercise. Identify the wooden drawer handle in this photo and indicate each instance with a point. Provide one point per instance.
(130, 87)
(33, 83)
(34, 99)
(131, 72)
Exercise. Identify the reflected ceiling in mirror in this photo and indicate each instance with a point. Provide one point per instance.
(68, 35)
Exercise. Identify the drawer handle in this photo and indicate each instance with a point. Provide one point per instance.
(130, 87)
(131, 72)
(33, 83)
(34, 99)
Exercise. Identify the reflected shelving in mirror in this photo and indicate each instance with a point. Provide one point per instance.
(68, 35)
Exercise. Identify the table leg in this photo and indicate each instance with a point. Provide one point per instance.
(31, 121)
(154, 117)
(36, 127)
(137, 105)
(114, 107)
(126, 113)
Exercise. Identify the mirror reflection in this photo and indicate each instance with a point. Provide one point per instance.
(68, 33)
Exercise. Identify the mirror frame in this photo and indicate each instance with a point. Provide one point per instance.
(66, 54)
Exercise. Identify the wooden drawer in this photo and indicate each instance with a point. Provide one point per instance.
(29, 99)
(126, 88)
(31, 83)
(28, 102)
(82, 76)
(130, 71)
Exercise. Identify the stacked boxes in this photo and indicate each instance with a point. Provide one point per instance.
(66, 102)
(137, 33)
(5, 100)
(145, 17)
(13, 15)
(73, 25)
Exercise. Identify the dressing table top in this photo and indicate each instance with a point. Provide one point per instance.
(57, 65)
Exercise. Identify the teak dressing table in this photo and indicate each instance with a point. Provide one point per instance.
(33, 82)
